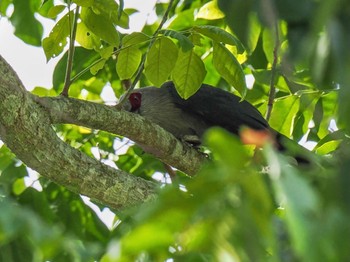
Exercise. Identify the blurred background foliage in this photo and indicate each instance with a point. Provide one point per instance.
(235, 209)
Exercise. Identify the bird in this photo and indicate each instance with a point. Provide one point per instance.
(188, 119)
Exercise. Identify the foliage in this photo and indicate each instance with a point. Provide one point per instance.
(235, 208)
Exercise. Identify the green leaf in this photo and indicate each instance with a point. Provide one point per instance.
(26, 26)
(84, 3)
(184, 42)
(330, 105)
(86, 38)
(219, 35)
(97, 67)
(254, 33)
(106, 52)
(283, 114)
(183, 20)
(41, 91)
(134, 39)
(188, 74)
(229, 68)
(160, 60)
(111, 11)
(330, 142)
(55, 11)
(228, 147)
(210, 11)
(307, 107)
(128, 61)
(83, 58)
(327, 147)
(300, 201)
(269, 44)
(4, 4)
(100, 26)
(56, 41)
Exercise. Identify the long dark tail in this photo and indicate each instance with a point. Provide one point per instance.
(292, 148)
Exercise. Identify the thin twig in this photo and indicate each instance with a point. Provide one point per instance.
(67, 80)
(142, 64)
(273, 73)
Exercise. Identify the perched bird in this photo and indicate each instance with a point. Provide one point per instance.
(209, 106)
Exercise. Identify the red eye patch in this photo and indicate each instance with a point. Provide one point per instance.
(135, 101)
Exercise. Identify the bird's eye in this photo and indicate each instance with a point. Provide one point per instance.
(135, 101)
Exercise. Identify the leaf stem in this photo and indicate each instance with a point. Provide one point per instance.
(273, 73)
(67, 80)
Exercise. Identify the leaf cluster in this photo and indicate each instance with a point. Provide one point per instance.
(235, 208)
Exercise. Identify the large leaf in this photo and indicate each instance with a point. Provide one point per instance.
(83, 59)
(229, 68)
(111, 11)
(188, 74)
(26, 26)
(56, 41)
(134, 39)
(283, 114)
(128, 62)
(86, 38)
(161, 60)
(100, 26)
(300, 201)
(210, 11)
(219, 35)
(184, 42)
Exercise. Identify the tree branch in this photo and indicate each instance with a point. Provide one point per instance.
(151, 137)
(25, 127)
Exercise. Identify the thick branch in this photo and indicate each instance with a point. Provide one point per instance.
(150, 136)
(25, 127)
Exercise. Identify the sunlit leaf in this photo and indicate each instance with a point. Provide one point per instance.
(100, 26)
(229, 68)
(110, 10)
(160, 60)
(210, 11)
(128, 62)
(135, 38)
(55, 11)
(84, 3)
(188, 74)
(86, 38)
(97, 67)
(184, 42)
(56, 41)
(283, 114)
(27, 27)
(219, 35)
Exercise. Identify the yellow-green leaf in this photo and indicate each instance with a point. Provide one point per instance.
(55, 10)
(134, 39)
(161, 60)
(188, 74)
(229, 68)
(86, 38)
(56, 41)
(84, 3)
(128, 62)
(210, 11)
(283, 114)
(100, 26)
(97, 67)
(219, 35)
